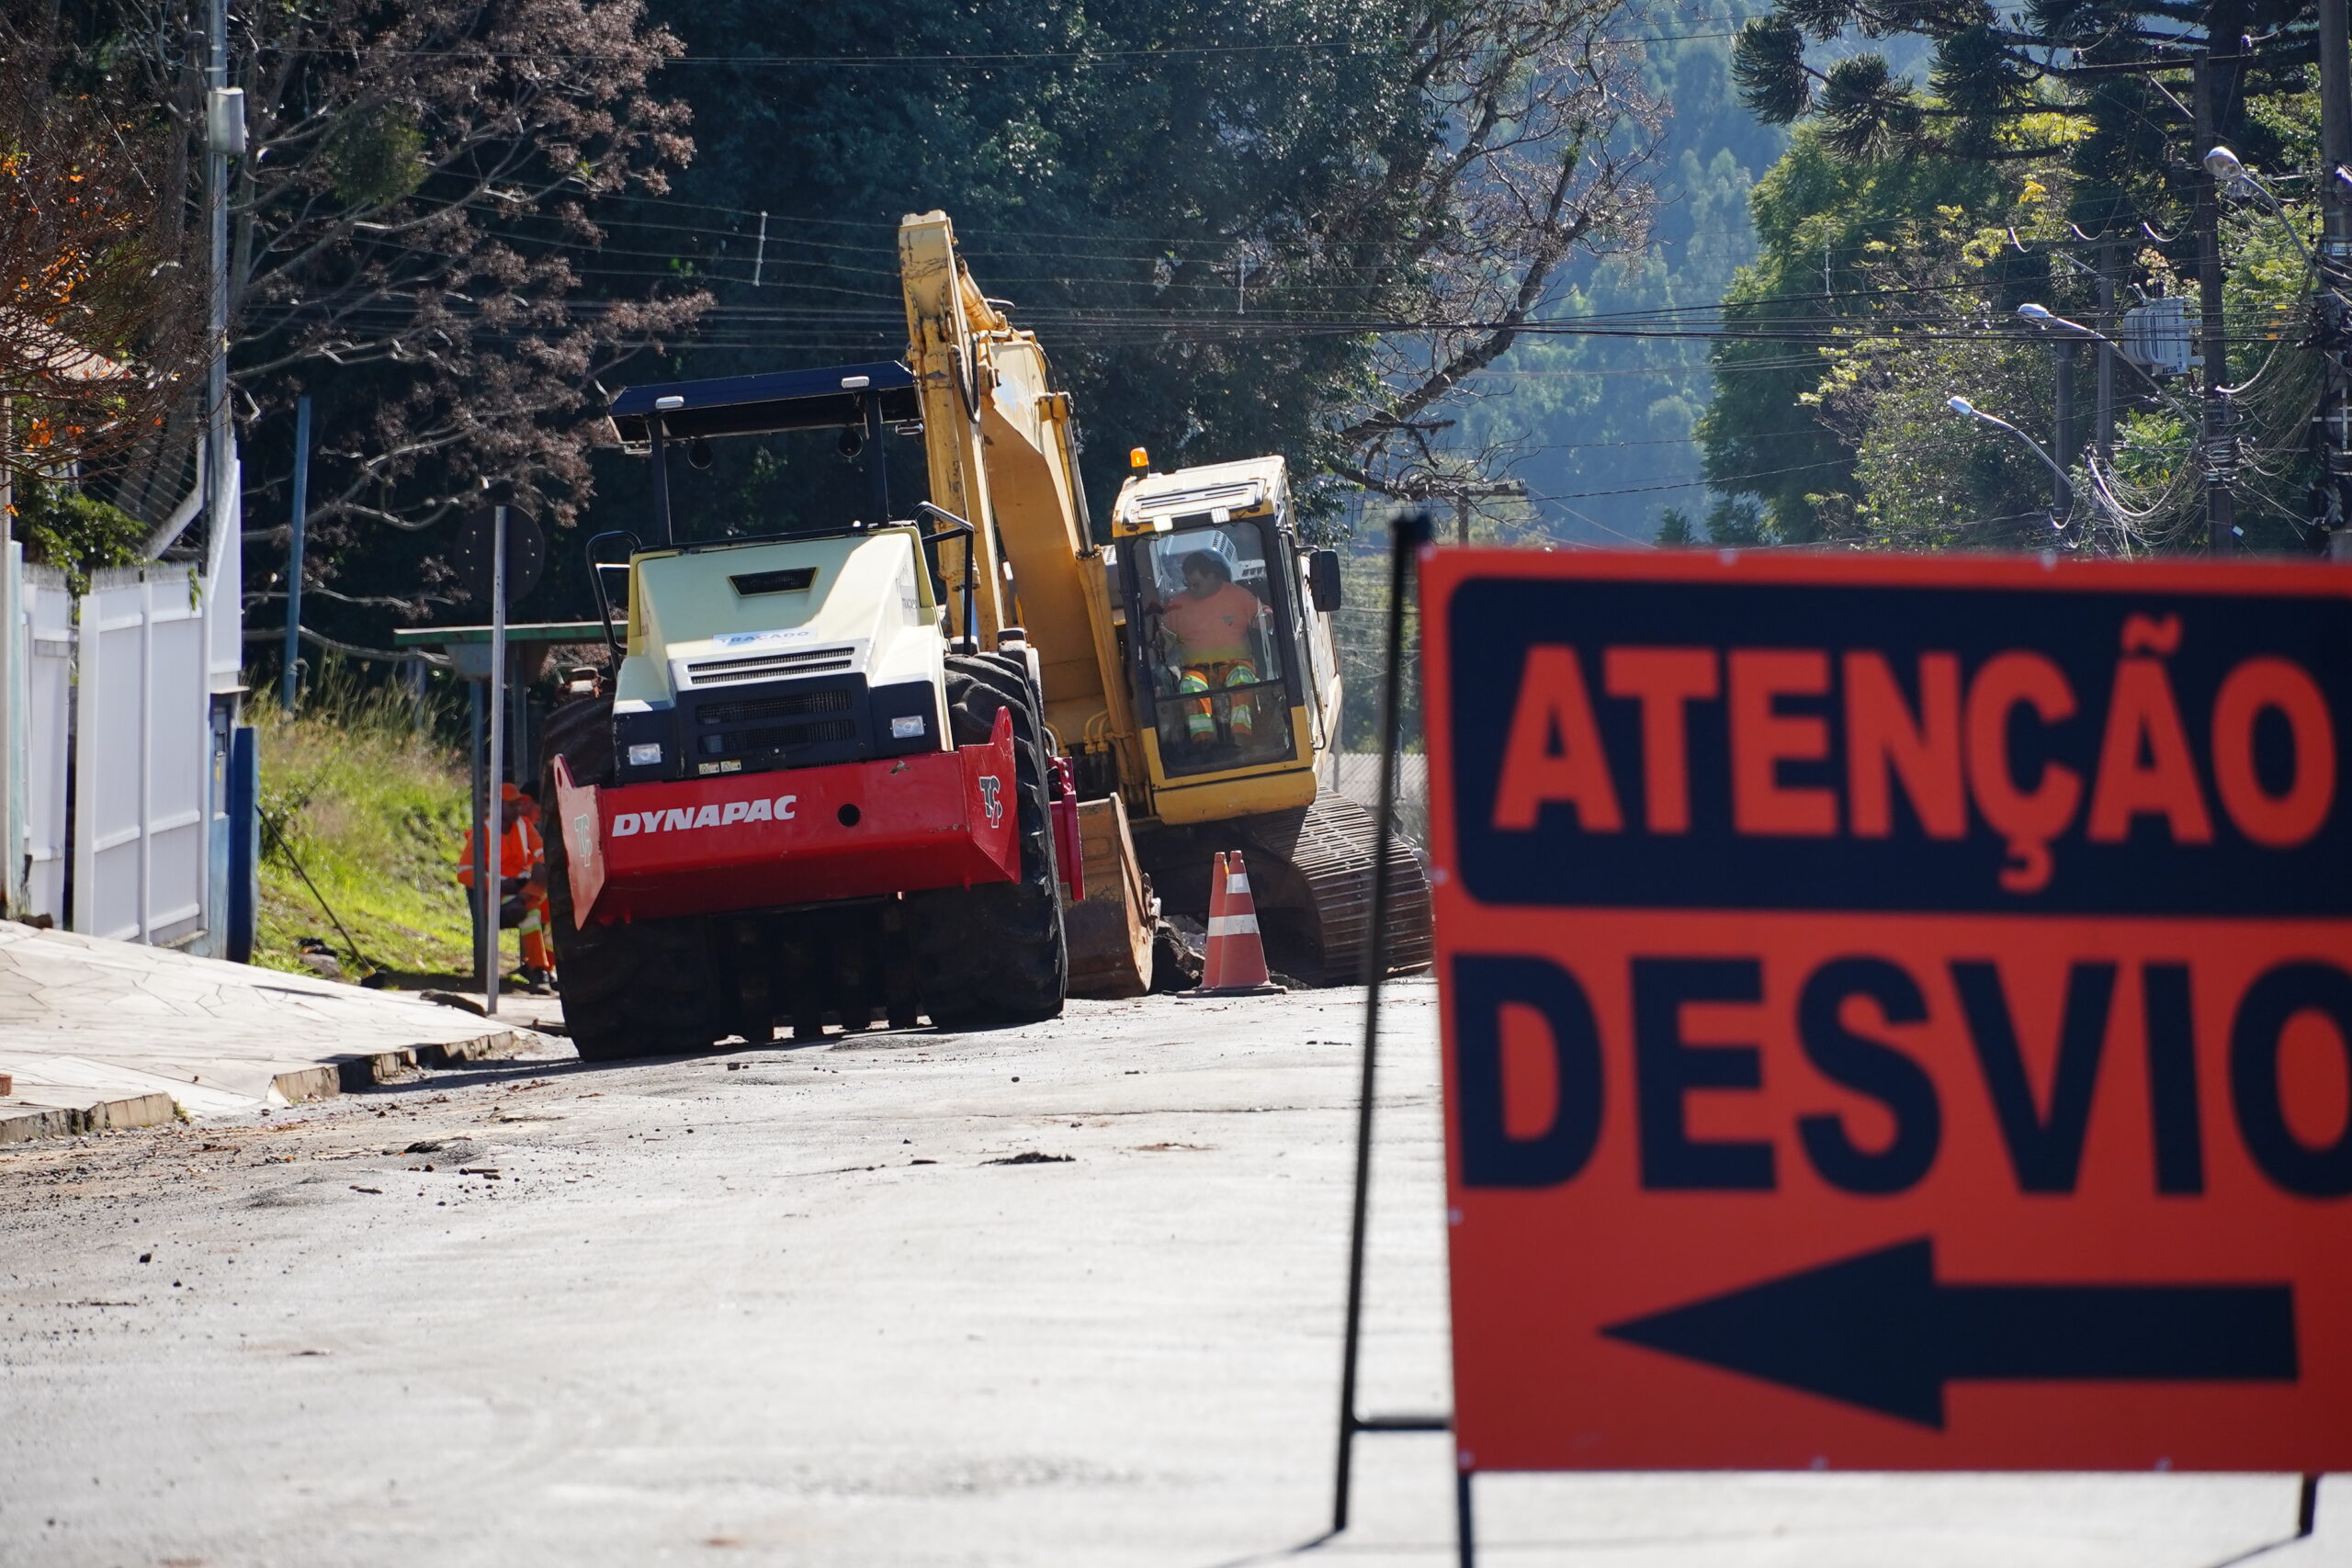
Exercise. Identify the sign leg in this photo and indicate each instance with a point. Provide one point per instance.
(1465, 1538)
(2307, 1509)
(1406, 535)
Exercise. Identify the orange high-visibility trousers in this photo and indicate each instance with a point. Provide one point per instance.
(538, 950)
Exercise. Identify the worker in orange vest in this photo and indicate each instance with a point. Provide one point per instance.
(522, 882)
(1215, 621)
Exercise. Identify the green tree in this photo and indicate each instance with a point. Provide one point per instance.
(1818, 214)
(2120, 65)
(1301, 226)
(77, 533)
(1927, 260)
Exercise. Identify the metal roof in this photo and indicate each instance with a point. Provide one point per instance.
(826, 398)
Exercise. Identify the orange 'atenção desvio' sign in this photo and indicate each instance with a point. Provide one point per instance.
(1897, 1012)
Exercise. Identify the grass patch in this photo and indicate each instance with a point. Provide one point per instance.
(371, 802)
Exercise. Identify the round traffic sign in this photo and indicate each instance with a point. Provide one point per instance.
(527, 553)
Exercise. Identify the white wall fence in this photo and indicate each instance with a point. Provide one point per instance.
(114, 711)
(141, 740)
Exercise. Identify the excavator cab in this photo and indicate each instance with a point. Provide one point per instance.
(1230, 647)
(1218, 675)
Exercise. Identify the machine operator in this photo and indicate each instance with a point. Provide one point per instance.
(1212, 622)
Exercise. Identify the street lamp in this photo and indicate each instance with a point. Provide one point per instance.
(2234, 178)
(2062, 488)
(2061, 380)
(2224, 166)
(2045, 319)
(2231, 177)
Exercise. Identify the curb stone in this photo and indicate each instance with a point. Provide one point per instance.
(350, 1075)
(338, 1076)
(21, 1124)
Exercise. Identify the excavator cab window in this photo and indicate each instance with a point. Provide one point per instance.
(1214, 644)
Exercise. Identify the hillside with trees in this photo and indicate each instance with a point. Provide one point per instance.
(1599, 428)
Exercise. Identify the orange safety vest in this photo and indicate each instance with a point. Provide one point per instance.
(519, 850)
(1214, 628)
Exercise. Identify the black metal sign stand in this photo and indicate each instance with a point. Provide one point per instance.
(1408, 534)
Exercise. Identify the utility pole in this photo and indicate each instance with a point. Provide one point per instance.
(2218, 446)
(15, 861)
(2335, 511)
(1471, 492)
(2103, 427)
(294, 551)
(221, 139)
(2062, 443)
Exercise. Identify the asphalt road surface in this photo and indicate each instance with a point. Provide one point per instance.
(1068, 1294)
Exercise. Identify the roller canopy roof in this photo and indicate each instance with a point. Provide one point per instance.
(830, 399)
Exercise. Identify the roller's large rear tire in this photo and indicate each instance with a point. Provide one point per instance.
(643, 989)
(994, 956)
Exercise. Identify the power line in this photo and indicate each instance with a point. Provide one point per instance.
(1755, 325)
(958, 57)
(1725, 482)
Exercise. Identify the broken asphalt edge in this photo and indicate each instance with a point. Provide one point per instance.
(336, 1076)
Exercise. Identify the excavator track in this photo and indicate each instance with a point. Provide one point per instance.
(1310, 874)
(1328, 848)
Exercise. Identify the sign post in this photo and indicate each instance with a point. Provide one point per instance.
(1897, 1012)
(494, 833)
(499, 557)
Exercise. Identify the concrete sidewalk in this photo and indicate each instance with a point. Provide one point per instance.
(98, 1034)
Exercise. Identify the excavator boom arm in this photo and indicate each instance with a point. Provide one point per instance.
(997, 439)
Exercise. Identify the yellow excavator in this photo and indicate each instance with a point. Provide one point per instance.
(1187, 666)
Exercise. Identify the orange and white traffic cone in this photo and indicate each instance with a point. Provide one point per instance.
(1214, 961)
(1235, 962)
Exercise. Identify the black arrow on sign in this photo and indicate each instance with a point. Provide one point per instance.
(1878, 1331)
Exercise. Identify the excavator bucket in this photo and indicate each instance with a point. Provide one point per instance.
(1110, 929)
